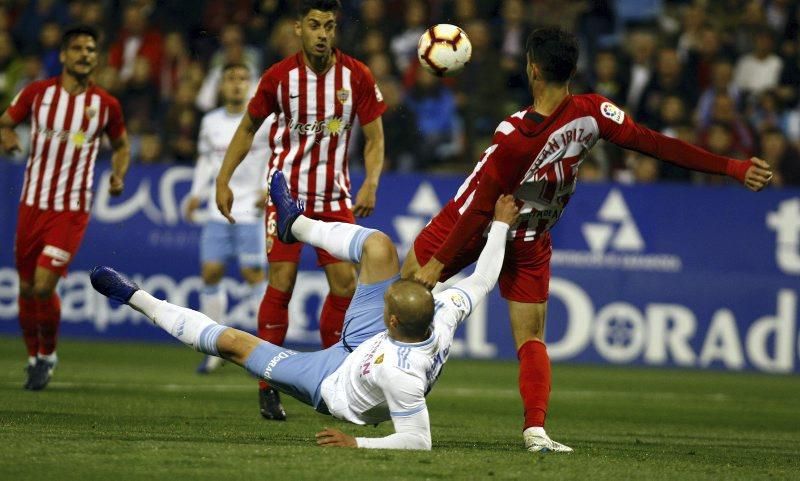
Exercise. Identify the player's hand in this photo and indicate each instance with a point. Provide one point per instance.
(225, 201)
(430, 273)
(191, 207)
(506, 209)
(115, 185)
(9, 141)
(365, 200)
(334, 438)
(758, 175)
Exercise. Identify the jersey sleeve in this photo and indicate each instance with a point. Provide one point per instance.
(115, 126)
(618, 127)
(265, 100)
(369, 99)
(405, 397)
(22, 104)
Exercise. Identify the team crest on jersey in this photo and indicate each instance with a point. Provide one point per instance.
(379, 359)
(342, 95)
(612, 112)
(458, 300)
(91, 112)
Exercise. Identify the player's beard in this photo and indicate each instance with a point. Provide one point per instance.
(80, 76)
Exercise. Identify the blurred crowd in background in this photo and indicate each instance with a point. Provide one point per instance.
(722, 74)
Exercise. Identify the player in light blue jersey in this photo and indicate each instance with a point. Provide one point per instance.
(395, 340)
(221, 241)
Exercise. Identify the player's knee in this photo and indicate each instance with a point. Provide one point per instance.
(379, 248)
(234, 344)
(212, 274)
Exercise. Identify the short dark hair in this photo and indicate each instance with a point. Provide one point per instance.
(233, 65)
(555, 52)
(76, 31)
(321, 5)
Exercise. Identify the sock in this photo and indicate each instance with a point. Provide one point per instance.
(29, 323)
(534, 382)
(192, 328)
(52, 358)
(49, 315)
(214, 302)
(332, 318)
(273, 320)
(342, 241)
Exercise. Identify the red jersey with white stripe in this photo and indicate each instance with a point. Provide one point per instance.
(65, 137)
(310, 131)
(536, 159)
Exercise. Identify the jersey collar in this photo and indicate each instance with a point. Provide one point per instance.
(412, 344)
(538, 122)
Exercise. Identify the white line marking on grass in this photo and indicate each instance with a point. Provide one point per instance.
(470, 392)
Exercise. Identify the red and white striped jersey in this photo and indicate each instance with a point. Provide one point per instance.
(65, 137)
(310, 130)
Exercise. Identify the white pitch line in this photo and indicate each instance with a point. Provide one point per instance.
(470, 392)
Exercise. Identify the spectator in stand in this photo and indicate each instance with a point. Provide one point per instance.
(481, 93)
(607, 79)
(375, 44)
(35, 15)
(175, 62)
(669, 79)
(671, 113)
(693, 21)
(138, 100)
(232, 50)
(440, 134)
(673, 173)
(641, 45)
(404, 44)
(372, 19)
(721, 84)
(700, 61)
(50, 47)
(789, 87)
(282, 42)
(509, 39)
(724, 112)
(136, 39)
(644, 169)
(150, 148)
(399, 129)
(182, 123)
(767, 112)
(719, 139)
(760, 70)
(11, 69)
(782, 156)
(381, 67)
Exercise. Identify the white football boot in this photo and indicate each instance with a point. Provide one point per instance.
(537, 441)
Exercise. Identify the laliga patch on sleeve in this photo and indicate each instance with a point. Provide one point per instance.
(612, 112)
(378, 94)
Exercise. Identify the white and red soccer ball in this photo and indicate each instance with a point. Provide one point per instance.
(444, 49)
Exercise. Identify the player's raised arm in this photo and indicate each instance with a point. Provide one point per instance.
(619, 128)
(487, 269)
(237, 151)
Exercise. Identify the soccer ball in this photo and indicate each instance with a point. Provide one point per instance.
(444, 49)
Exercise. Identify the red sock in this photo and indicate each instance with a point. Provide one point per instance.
(332, 319)
(49, 314)
(534, 381)
(273, 319)
(29, 323)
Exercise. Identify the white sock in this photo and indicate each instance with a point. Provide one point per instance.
(31, 360)
(214, 302)
(52, 358)
(192, 328)
(343, 241)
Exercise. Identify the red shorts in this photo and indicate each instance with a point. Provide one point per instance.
(277, 251)
(47, 239)
(525, 276)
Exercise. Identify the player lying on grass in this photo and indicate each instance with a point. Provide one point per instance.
(395, 340)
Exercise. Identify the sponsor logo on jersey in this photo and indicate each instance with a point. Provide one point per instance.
(342, 95)
(612, 112)
(331, 126)
(615, 242)
(78, 138)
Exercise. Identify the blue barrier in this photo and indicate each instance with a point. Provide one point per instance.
(664, 275)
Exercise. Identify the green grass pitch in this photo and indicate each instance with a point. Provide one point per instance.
(121, 411)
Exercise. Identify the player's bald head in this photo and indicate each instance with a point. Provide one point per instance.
(411, 303)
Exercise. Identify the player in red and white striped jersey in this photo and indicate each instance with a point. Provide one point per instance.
(536, 154)
(310, 102)
(68, 116)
